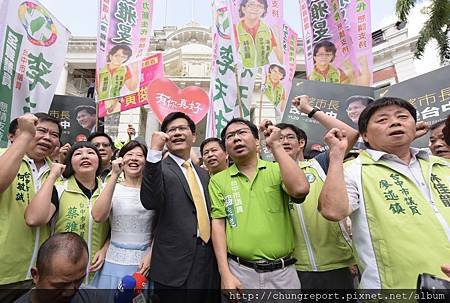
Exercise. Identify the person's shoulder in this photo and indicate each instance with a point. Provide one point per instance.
(439, 160)
(268, 164)
(201, 171)
(26, 298)
(88, 294)
(352, 164)
(224, 174)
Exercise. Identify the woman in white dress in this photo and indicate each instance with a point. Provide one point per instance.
(131, 224)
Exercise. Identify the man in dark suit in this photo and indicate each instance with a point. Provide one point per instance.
(182, 254)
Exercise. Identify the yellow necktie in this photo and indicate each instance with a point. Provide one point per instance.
(200, 205)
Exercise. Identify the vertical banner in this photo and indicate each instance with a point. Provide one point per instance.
(257, 31)
(123, 40)
(357, 15)
(152, 68)
(231, 87)
(33, 47)
(337, 40)
(278, 78)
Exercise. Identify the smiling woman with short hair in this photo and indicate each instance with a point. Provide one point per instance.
(69, 201)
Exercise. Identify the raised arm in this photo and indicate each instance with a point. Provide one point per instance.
(40, 210)
(102, 207)
(11, 159)
(152, 189)
(333, 200)
(293, 177)
(302, 104)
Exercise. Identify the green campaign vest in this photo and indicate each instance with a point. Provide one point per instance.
(333, 75)
(320, 244)
(407, 232)
(19, 243)
(111, 84)
(248, 48)
(274, 94)
(74, 215)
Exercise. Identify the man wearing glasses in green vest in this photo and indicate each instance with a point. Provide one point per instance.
(322, 248)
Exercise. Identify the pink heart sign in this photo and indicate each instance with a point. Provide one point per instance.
(165, 97)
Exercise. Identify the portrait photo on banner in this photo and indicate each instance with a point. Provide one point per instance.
(337, 41)
(257, 31)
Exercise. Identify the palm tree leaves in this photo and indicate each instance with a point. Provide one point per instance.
(436, 27)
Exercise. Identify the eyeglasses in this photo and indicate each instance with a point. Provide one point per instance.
(326, 55)
(240, 132)
(289, 137)
(102, 144)
(181, 128)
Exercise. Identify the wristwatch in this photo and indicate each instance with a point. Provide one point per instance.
(314, 110)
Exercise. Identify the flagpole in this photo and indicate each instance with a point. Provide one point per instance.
(193, 8)
(238, 91)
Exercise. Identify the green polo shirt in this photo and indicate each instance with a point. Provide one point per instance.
(258, 224)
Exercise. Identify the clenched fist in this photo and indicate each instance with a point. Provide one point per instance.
(56, 170)
(302, 104)
(336, 139)
(273, 135)
(26, 124)
(117, 166)
(158, 141)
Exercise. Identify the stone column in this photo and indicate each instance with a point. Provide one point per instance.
(62, 83)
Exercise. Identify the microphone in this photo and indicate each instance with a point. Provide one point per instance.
(141, 282)
(125, 290)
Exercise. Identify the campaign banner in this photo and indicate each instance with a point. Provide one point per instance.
(231, 86)
(123, 39)
(33, 46)
(77, 115)
(152, 68)
(277, 79)
(430, 95)
(166, 97)
(337, 40)
(257, 31)
(333, 99)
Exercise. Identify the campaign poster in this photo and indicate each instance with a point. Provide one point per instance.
(257, 27)
(152, 68)
(337, 40)
(123, 39)
(335, 100)
(78, 117)
(33, 46)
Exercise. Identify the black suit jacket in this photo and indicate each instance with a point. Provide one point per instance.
(165, 189)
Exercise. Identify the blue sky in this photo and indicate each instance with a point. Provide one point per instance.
(80, 16)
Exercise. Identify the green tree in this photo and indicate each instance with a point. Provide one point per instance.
(436, 27)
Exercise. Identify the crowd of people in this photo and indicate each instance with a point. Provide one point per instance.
(230, 220)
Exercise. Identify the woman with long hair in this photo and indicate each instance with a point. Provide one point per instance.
(68, 202)
(131, 224)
